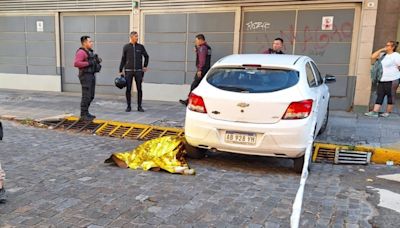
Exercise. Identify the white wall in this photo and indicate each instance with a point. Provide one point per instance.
(30, 82)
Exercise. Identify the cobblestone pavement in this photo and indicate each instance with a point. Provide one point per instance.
(59, 179)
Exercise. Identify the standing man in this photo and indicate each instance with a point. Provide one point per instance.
(203, 63)
(132, 62)
(88, 64)
(2, 174)
(277, 47)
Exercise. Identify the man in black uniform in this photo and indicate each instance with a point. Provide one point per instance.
(88, 64)
(203, 62)
(132, 63)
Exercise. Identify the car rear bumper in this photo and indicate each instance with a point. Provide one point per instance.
(287, 138)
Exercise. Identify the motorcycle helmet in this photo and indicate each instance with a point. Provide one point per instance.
(120, 82)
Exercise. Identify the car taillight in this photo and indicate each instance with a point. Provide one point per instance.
(298, 110)
(196, 104)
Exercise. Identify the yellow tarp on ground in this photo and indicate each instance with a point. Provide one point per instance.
(166, 153)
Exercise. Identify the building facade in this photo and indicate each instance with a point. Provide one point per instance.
(38, 40)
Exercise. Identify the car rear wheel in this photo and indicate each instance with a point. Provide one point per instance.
(194, 152)
(298, 164)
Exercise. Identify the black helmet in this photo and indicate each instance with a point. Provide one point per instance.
(120, 82)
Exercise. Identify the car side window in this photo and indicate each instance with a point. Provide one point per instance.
(310, 76)
(320, 80)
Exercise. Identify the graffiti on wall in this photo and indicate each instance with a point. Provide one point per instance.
(312, 40)
(257, 25)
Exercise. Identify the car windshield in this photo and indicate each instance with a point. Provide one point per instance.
(252, 80)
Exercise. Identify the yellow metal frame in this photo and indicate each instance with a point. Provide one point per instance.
(379, 155)
(146, 129)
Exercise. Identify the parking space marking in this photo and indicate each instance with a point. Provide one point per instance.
(392, 177)
(388, 199)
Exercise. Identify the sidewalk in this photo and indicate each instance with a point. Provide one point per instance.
(343, 127)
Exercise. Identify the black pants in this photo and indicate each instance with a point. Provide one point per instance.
(395, 85)
(384, 89)
(88, 83)
(196, 81)
(138, 75)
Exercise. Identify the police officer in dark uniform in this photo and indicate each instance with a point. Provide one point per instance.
(203, 62)
(132, 63)
(88, 64)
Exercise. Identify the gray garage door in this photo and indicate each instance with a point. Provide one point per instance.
(109, 33)
(169, 40)
(330, 48)
(24, 49)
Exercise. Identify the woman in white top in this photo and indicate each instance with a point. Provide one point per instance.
(390, 76)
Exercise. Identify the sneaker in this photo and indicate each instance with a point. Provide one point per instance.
(91, 116)
(371, 114)
(385, 114)
(87, 117)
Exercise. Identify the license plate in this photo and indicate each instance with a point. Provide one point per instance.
(240, 138)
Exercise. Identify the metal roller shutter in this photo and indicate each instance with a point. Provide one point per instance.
(63, 5)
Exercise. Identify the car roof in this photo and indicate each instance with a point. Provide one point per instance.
(276, 60)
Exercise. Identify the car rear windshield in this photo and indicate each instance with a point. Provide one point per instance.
(252, 80)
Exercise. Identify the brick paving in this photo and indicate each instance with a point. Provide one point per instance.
(58, 179)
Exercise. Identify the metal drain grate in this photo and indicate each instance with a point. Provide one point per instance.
(114, 129)
(352, 157)
(325, 156)
(335, 154)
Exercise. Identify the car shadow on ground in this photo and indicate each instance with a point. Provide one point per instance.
(244, 163)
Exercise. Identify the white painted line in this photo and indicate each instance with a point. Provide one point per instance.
(392, 177)
(298, 201)
(388, 199)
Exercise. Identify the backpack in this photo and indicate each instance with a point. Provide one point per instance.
(377, 70)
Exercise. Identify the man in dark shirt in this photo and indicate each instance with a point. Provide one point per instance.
(203, 63)
(277, 46)
(132, 66)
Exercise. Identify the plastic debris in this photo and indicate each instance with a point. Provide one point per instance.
(166, 153)
(389, 163)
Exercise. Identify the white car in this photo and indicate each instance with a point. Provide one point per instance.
(258, 104)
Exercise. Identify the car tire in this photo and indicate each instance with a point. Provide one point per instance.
(194, 152)
(325, 123)
(298, 164)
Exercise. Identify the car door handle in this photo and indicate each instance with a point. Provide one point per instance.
(215, 112)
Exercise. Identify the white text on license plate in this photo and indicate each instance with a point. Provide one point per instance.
(240, 138)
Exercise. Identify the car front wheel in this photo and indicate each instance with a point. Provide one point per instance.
(194, 152)
(325, 123)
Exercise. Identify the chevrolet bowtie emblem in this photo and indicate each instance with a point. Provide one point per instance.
(243, 105)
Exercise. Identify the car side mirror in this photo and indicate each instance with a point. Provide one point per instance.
(329, 79)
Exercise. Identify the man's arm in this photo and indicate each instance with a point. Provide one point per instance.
(123, 59)
(80, 59)
(146, 57)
